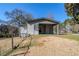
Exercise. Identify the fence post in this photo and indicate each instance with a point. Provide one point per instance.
(12, 42)
(0, 51)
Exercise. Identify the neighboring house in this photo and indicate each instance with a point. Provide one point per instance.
(40, 26)
(68, 28)
(76, 28)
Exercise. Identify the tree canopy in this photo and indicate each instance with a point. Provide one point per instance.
(69, 9)
(72, 10)
(18, 17)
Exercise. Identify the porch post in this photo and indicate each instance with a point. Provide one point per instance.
(54, 31)
(46, 28)
(57, 29)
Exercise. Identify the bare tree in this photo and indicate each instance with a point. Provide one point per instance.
(18, 18)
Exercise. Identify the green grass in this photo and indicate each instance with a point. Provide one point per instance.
(38, 36)
(73, 37)
(41, 35)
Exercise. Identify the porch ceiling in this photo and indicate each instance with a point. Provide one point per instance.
(47, 23)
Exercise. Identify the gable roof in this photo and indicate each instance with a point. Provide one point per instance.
(43, 19)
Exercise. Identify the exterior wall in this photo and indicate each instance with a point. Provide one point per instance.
(29, 29)
(36, 28)
(32, 30)
(22, 31)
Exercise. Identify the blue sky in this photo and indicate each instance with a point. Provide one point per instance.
(38, 10)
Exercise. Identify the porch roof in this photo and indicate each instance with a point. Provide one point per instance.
(40, 20)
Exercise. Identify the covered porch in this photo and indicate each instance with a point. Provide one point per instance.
(48, 29)
(44, 26)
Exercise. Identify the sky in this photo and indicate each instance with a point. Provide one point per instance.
(38, 10)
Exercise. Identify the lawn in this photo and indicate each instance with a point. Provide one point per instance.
(71, 36)
(5, 43)
(40, 41)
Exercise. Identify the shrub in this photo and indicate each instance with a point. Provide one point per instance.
(6, 29)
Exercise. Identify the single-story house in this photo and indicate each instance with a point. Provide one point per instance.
(40, 26)
(75, 28)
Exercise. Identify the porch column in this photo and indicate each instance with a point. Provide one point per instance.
(54, 29)
(57, 29)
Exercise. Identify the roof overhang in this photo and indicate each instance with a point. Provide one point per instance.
(43, 21)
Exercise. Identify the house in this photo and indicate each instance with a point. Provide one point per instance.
(76, 28)
(40, 26)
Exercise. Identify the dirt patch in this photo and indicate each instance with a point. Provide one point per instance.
(55, 46)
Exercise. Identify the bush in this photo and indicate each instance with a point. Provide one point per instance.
(6, 31)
